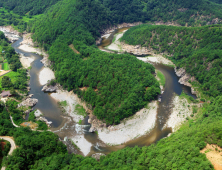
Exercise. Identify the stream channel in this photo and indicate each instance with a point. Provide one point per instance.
(64, 126)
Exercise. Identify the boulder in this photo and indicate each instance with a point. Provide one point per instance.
(180, 72)
(184, 80)
(29, 102)
(98, 155)
(89, 120)
(92, 129)
(38, 113)
(47, 88)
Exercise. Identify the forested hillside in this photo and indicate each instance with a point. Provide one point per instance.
(119, 85)
(31, 7)
(198, 50)
(217, 1)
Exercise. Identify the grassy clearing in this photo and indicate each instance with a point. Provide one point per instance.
(12, 75)
(6, 66)
(80, 110)
(161, 77)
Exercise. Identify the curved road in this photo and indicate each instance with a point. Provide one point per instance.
(13, 146)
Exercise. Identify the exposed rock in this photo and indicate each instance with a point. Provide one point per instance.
(92, 129)
(214, 21)
(48, 88)
(183, 9)
(166, 23)
(27, 39)
(45, 61)
(29, 102)
(89, 121)
(136, 50)
(10, 33)
(98, 155)
(111, 128)
(184, 80)
(193, 91)
(38, 113)
(30, 95)
(10, 29)
(98, 41)
(184, 77)
(45, 120)
(180, 72)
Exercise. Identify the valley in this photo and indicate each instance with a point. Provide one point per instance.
(111, 84)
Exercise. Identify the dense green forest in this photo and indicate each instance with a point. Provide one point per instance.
(197, 49)
(217, 1)
(31, 7)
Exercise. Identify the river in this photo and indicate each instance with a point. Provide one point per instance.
(65, 127)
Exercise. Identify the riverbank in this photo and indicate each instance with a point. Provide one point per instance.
(157, 58)
(27, 45)
(152, 57)
(181, 111)
(130, 128)
(70, 103)
(116, 45)
(45, 75)
(26, 61)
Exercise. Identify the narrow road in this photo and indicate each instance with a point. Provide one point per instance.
(13, 146)
(13, 122)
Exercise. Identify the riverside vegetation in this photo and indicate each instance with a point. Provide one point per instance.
(115, 83)
(197, 49)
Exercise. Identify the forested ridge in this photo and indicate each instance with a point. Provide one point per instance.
(197, 49)
(119, 85)
(31, 7)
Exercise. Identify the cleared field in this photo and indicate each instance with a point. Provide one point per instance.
(12, 75)
(6, 66)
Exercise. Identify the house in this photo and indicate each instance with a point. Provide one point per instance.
(6, 94)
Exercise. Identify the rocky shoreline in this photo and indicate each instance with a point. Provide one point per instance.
(10, 33)
(180, 113)
(136, 50)
(185, 78)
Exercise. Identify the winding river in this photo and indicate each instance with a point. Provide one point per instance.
(65, 127)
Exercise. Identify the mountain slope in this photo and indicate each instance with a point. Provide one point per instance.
(196, 49)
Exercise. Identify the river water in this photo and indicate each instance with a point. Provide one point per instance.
(65, 127)
(47, 105)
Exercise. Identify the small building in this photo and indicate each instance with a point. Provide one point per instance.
(6, 94)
